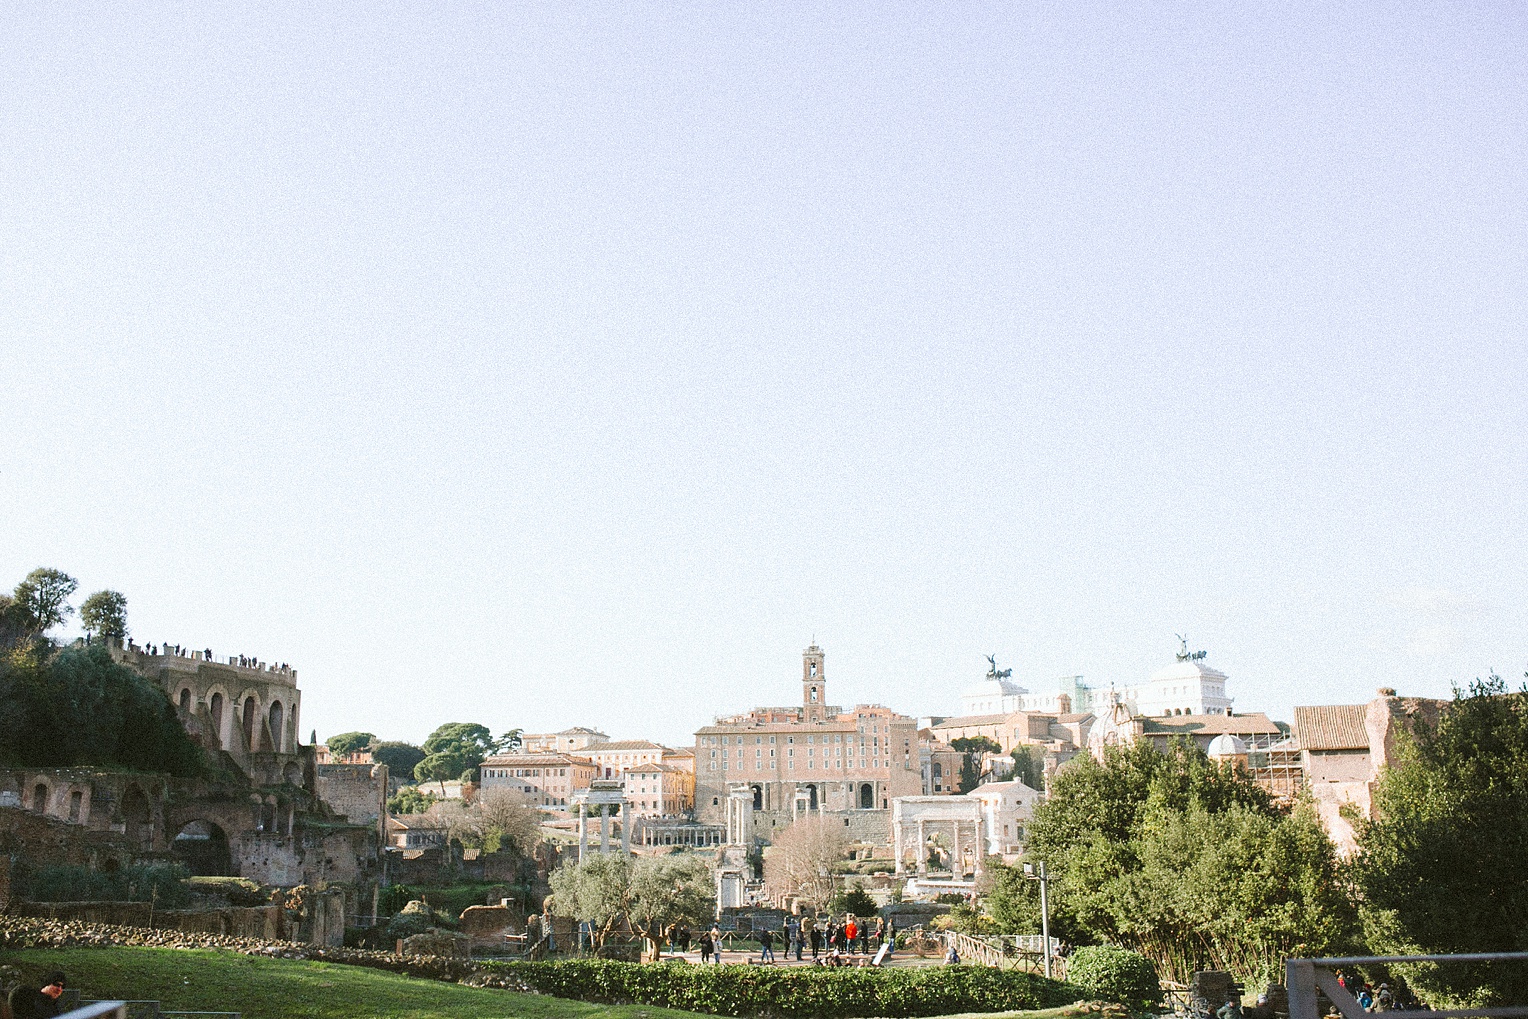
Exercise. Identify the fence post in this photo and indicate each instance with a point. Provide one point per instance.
(1300, 978)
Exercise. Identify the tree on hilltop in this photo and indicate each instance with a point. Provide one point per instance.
(105, 613)
(42, 598)
(400, 758)
(347, 743)
(453, 751)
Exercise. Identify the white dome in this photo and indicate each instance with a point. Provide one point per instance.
(1186, 670)
(1226, 745)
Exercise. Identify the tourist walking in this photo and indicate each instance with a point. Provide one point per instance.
(716, 944)
(810, 926)
(766, 945)
(851, 931)
(705, 947)
(793, 937)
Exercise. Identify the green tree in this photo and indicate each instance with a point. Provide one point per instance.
(400, 758)
(447, 765)
(347, 743)
(976, 745)
(409, 800)
(105, 613)
(1451, 827)
(973, 747)
(468, 740)
(1029, 765)
(648, 892)
(855, 901)
(666, 890)
(594, 890)
(78, 708)
(509, 743)
(1186, 861)
(43, 598)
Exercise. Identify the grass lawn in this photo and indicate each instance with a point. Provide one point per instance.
(264, 988)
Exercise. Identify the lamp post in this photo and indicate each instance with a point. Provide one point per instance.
(1036, 872)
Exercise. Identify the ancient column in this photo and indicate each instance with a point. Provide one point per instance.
(896, 844)
(922, 849)
(957, 869)
(625, 828)
(604, 827)
(583, 830)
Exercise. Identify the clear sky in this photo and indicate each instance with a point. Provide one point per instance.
(555, 364)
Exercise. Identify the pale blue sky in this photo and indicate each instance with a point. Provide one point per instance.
(577, 363)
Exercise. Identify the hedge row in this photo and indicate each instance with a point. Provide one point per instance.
(769, 991)
(753, 991)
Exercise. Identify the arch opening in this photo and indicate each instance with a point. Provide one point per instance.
(867, 796)
(40, 798)
(758, 797)
(249, 722)
(203, 847)
(277, 713)
(185, 700)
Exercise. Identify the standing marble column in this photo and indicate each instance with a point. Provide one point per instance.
(922, 848)
(583, 831)
(625, 828)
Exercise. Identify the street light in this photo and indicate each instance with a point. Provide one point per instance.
(1036, 872)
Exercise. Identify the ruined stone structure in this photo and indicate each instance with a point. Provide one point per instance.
(1344, 748)
(606, 800)
(949, 827)
(260, 814)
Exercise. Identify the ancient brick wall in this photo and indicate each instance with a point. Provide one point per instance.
(357, 792)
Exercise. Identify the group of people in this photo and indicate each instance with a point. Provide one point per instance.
(1378, 999)
(830, 943)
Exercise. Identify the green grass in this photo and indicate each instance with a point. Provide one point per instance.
(263, 988)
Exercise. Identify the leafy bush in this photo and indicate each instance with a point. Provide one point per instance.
(138, 883)
(394, 897)
(414, 918)
(789, 993)
(1109, 973)
(854, 900)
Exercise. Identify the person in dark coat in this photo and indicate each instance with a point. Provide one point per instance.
(29, 1004)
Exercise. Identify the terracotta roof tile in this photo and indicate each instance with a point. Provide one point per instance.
(1332, 727)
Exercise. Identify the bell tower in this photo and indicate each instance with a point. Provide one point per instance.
(814, 686)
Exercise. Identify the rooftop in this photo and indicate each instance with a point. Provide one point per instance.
(532, 760)
(1332, 727)
(1210, 725)
(628, 744)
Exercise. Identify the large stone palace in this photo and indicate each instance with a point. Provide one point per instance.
(811, 757)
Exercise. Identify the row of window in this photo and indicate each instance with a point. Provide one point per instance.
(826, 738)
(790, 765)
(525, 772)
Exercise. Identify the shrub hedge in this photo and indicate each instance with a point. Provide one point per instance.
(767, 991)
(1117, 974)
